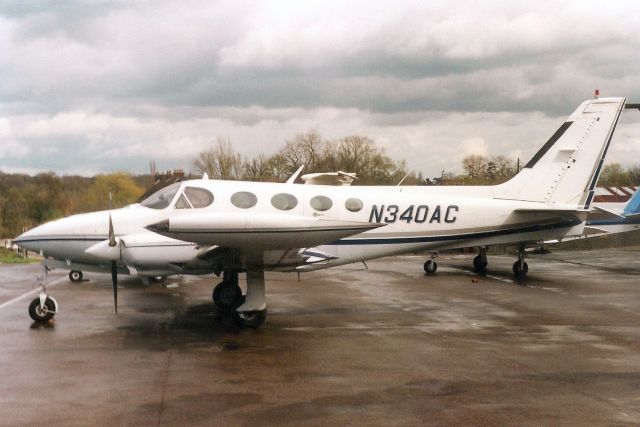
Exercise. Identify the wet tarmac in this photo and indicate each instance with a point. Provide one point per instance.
(347, 346)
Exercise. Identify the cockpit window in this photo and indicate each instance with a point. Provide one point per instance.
(161, 198)
(199, 197)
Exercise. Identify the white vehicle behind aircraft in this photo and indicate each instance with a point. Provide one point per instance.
(251, 227)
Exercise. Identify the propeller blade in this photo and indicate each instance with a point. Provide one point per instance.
(112, 235)
(114, 282)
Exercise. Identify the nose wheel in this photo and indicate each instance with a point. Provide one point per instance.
(44, 307)
(42, 312)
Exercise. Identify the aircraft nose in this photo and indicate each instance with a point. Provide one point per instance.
(31, 239)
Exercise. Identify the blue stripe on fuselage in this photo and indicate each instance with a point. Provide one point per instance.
(482, 234)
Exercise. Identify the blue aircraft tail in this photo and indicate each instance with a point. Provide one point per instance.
(633, 206)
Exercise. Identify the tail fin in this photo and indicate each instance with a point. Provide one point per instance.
(633, 205)
(565, 170)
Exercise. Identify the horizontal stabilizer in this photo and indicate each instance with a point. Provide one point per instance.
(600, 214)
(559, 213)
(593, 231)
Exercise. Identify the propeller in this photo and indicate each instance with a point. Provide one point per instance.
(114, 267)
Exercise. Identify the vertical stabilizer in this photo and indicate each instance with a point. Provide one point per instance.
(633, 205)
(566, 169)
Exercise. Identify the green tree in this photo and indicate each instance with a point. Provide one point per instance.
(614, 175)
(120, 185)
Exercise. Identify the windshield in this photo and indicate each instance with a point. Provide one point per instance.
(161, 198)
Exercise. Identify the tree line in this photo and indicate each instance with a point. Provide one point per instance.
(26, 201)
(354, 154)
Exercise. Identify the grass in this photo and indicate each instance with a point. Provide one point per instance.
(7, 256)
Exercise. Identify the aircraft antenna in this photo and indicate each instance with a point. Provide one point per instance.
(293, 177)
(404, 177)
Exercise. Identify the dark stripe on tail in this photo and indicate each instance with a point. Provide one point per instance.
(556, 136)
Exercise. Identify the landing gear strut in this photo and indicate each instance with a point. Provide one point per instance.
(520, 267)
(430, 265)
(44, 307)
(253, 312)
(480, 261)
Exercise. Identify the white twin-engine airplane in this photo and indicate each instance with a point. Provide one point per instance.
(229, 227)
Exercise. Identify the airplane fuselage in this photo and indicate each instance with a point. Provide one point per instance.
(250, 215)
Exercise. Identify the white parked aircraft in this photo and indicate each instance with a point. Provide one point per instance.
(612, 218)
(231, 227)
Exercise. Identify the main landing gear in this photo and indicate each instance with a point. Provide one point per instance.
(250, 311)
(480, 261)
(44, 307)
(430, 265)
(520, 267)
(75, 276)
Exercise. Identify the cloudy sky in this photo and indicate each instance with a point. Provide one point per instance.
(89, 87)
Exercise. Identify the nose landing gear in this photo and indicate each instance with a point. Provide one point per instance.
(44, 307)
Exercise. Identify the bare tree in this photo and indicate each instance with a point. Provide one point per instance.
(220, 161)
(304, 149)
(475, 166)
(504, 167)
(258, 169)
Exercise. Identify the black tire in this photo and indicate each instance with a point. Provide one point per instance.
(251, 319)
(430, 266)
(75, 276)
(478, 265)
(42, 315)
(227, 296)
(520, 272)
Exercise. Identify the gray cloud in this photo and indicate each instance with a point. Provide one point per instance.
(113, 82)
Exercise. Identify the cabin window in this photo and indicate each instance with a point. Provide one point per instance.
(198, 197)
(161, 198)
(244, 200)
(321, 203)
(353, 204)
(284, 201)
